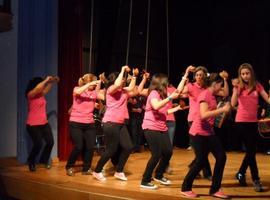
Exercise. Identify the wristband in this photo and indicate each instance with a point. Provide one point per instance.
(169, 98)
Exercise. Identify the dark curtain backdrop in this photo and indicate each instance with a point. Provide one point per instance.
(37, 56)
(220, 35)
(70, 66)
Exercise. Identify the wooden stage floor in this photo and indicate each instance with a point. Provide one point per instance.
(16, 181)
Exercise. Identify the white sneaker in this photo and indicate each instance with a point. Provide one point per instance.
(120, 175)
(99, 176)
(189, 148)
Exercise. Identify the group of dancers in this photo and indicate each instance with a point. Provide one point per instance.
(158, 123)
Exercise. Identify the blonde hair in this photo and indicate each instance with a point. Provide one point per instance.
(252, 83)
(86, 78)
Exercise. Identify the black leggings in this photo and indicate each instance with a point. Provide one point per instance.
(248, 132)
(202, 146)
(38, 134)
(115, 134)
(83, 137)
(161, 152)
(207, 168)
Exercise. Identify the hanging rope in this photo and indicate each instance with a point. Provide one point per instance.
(147, 35)
(91, 37)
(168, 38)
(129, 30)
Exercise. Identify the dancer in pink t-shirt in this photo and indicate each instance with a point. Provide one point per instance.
(37, 123)
(155, 129)
(81, 122)
(246, 93)
(114, 126)
(193, 90)
(204, 139)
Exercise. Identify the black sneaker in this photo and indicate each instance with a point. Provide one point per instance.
(199, 176)
(208, 177)
(148, 185)
(163, 181)
(257, 186)
(88, 172)
(70, 172)
(32, 167)
(241, 178)
(48, 166)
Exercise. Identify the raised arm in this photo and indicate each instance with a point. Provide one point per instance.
(182, 83)
(43, 87)
(132, 83)
(55, 79)
(118, 81)
(79, 90)
(224, 92)
(234, 98)
(141, 90)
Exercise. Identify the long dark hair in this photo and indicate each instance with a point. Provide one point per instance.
(32, 84)
(160, 83)
(111, 78)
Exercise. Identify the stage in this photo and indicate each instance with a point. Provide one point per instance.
(17, 182)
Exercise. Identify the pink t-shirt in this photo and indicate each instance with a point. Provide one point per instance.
(170, 117)
(83, 107)
(154, 119)
(126, 112)
(199, 126)
(194, 89)
(36, 111)
(116, 107)
(248, 104)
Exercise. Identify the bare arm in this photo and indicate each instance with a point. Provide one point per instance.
(157, 104)
(225, 90)
(132, 84)
(234, 98)
(265, 96)
(142, 83)
(206, 113)
(118, 82)
(79, 90)
(43, 87)
(173, 110)
(182, 83)
(185, 91)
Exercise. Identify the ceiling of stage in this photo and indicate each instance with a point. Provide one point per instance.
(217, 34)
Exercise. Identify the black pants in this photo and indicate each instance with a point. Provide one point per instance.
(161, 152)
(207, 168)
(83, 137)
(135, 129)
(202, 146)
(115, 134)
(38, 134)
(248, 132)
